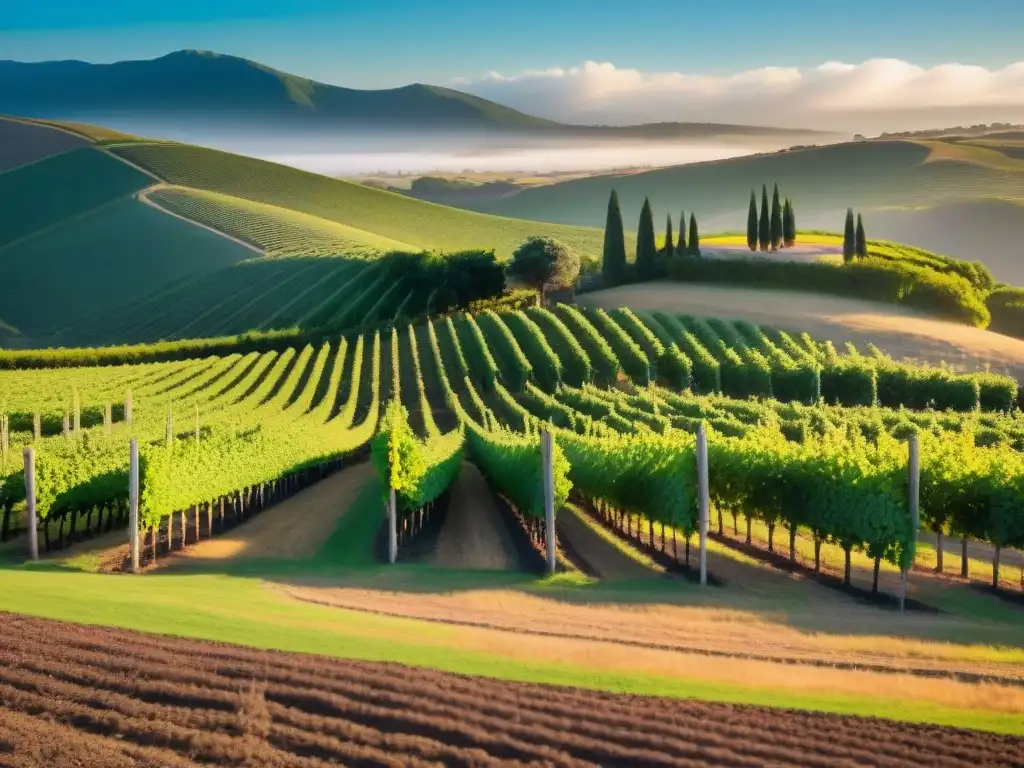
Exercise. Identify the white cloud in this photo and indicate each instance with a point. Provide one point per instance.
(875, 92)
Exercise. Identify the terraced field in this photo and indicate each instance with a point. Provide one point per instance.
(384, 214)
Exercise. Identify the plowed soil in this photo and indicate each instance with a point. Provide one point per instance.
(102, 697)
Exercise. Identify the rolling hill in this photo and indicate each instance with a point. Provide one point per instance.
(128, 239)
(189, 89)
(954, 196)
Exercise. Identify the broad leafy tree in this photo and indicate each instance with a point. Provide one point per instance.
(544, 264)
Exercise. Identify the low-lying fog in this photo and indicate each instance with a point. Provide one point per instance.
(541, 159)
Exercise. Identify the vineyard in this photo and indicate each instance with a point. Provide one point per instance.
(801, 435)
(83, 258)
(260, 294)
(22, 143)
(278, 231)
(375, 213)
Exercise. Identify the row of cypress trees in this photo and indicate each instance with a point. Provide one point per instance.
(648, 263)
(855, 242)
(768, 231)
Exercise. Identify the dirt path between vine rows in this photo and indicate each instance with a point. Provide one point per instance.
(294, 529)
(474, 534)
(605, 559)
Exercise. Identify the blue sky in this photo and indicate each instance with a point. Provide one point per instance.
(380, 43)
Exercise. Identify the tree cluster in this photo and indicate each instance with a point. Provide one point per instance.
(650, 260)
(855, 242)
(774, 227)
(455, 280)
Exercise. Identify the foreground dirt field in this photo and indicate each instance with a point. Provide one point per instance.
(896, 330)
(106, 697)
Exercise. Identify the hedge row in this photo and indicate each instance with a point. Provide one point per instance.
(945, 295)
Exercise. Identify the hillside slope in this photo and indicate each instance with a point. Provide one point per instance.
(99, 248)
(385, 214)
(940, 195)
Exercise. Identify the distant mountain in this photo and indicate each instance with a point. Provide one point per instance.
(201, 88)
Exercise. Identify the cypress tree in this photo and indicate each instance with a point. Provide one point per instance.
(849, 237)
(860, 242)
(681, 245)
(764, 225)
(752, 222)
(776, 221)
(694, 246)
(646, 248)
(788, 224)
(613, 262)
(670, 247)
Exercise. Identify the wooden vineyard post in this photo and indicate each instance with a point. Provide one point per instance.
(392, 527)
(66, 429)
(30, 502)
(702, 495)
(914, 504)
(37, 427)
(128, 407)
(133, 504)
(108, 418)
(547, 459)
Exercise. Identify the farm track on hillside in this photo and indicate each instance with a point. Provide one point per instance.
(96, 689)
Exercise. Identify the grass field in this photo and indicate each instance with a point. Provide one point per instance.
(385, 214)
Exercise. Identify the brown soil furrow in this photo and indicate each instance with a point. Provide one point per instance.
(422, 748)
(630, 714)
(29, 742)
(226, 705)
